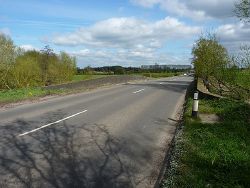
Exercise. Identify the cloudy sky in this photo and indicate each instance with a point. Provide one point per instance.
(121, 32)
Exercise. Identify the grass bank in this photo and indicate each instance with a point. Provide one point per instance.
(87, 77)
(212, 155)
(242, 79)
(15, 95)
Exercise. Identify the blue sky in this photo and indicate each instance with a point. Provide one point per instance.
(124, 32)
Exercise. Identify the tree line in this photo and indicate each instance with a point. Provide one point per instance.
(118, 70)
(20, 69)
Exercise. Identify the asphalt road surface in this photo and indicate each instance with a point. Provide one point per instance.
(109, 137)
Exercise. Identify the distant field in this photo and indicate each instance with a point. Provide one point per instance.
(15, 95)
(87, 77)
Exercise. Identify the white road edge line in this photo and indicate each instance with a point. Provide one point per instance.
(138, 91)
(34, 130)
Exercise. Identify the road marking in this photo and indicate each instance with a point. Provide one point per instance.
(139, 91)
(34, 130)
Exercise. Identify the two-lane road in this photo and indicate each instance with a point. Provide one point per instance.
(112, 137)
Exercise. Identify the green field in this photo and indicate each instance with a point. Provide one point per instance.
(213, 155)
(87, 77)
(15, 95)
(243, 78)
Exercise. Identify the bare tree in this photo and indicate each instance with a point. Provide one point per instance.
(242, 10)
(47, 52)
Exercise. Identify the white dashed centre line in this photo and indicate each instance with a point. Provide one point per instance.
(34, 130)
(138, 91)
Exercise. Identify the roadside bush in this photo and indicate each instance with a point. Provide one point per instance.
(26, 72)
(21, 69)
(7, 59)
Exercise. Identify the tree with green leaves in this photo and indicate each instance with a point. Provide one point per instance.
(47, 55)
(7, 59)
(119, 70)
(20, 69)
(209, 57)
(67, 66)
(26, 70)
(220, 73)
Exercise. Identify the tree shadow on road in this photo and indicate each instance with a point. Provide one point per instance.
(63, 156)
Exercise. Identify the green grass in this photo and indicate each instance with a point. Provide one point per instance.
(87, 77)
(213, 155)
(243, 78)
(15, 95)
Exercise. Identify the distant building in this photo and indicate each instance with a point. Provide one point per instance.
(164, 67)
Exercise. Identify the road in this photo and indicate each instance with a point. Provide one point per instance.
(109, 137)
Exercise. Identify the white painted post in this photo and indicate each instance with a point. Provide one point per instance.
(195, 105)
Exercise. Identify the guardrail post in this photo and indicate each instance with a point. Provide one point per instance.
(195, 105)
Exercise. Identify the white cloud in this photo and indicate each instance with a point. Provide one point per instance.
(81, 53)
(239, 32)
(231, 35)
(127, 41)
(127, 33)
(234, 35)
(28, 47)
(128, 57)
(194, 9)
(5, 31)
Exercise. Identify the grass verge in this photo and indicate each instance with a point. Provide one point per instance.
(15, 95)
(242, 79)
(87, 77)
(212, 155)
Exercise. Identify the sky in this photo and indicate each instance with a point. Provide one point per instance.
(122, 32)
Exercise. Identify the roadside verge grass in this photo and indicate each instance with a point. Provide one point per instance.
(15, 95)
(81, 77)
(212, 155)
